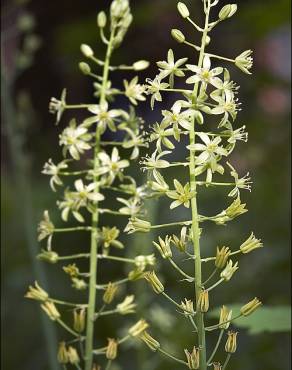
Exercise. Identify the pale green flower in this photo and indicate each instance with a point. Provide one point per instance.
(244, 61)
(159, 184)
(54, 170)
(227, 105)
(240, 183)
(75, 140)
(108, 238)
(110, 91)
(134, 91)
(171, 68)
(132, 206)
(206, 75)
(178, 118)
(57, 106)
(154, 161)
(127, 306)
(153, 88)
(46, 227)
(181, 194)
(159, 134)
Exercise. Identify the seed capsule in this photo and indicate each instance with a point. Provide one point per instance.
(112, 349)
(231, 343)
(156, 284)
(222, 257)
(250, 307)
(109, 293)
(203, 301)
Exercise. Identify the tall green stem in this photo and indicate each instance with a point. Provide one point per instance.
(195, 216)
(94, 244)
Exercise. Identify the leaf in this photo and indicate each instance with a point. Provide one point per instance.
(265, 319)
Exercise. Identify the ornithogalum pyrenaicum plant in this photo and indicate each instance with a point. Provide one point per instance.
(91, 172)
(203, 89)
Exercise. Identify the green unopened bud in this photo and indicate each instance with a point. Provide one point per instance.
(229, 270)
(62, 354)
(225, 317)
(183, 10)
(178, 35)
(84, 68)
(149, 341)
(101, 19)
(86, 50)
(127, 306)
(48, 256)
(73, 356)
(231, 343)
(208, 40)
(153, 280)
(203, 301)
(110, 293)
(188, 307)
(138, 328)
(51, 310)
(79, 320)
(37, 293)
(250, 244)
(140, 65)
(222, 256)
(244, 61)
(112, 349)
(164, 247)
(227, 11)
(199, 117)
(193, 358)
(79, 284)
(250, 307)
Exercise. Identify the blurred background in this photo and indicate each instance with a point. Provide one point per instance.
(40, 54)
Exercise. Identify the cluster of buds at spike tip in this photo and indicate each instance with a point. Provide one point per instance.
(188, 306)
(227, 11)
(178, 36)
(37, 293)
(79, 320)
(48, 256)
(164, 247)
(225, 317)
(51, 310)
(250, 307)
(137, 225)
(110, 293)
(244, 61)
(193, 358)
(183, 10)
(229, 270)
(153, 280)
(152, 343)
(137, 329)
(112, 349)
(222, 256)
(127, 306)
(203, 301)
(250, 244)
(231, 343)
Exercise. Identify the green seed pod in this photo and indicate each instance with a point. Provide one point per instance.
(152, 343)
(231, 343)
(101, 19)
(84, 68)
(178, 35)
(227, 11)
(183, 10)
(203, 301)
(250, 307)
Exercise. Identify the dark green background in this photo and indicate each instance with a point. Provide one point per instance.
(29, 138)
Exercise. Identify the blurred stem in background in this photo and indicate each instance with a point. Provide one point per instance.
(16, 118)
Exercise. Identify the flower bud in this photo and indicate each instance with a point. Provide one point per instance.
(188, 307)
(250, 244)
(127, 306)
(37, 293)
(244, 61)
(229, 270)
(73, 356)
(101, 19)
(51, 310)
(79, 320)
(164, 247)
(140, 65)
(138, 328)
(231, 343)
(149, 341)
(250, 307)
(86, 50)
(183, 10)
(84, 68)
(79, 284)
(48, 256)
(225, 317)
(62, 355)
(112, 349)
(193, 358)
(222, 257)
(227, 11)
(203, 301)
(156, 284)
(109, 293)
(178, 35)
